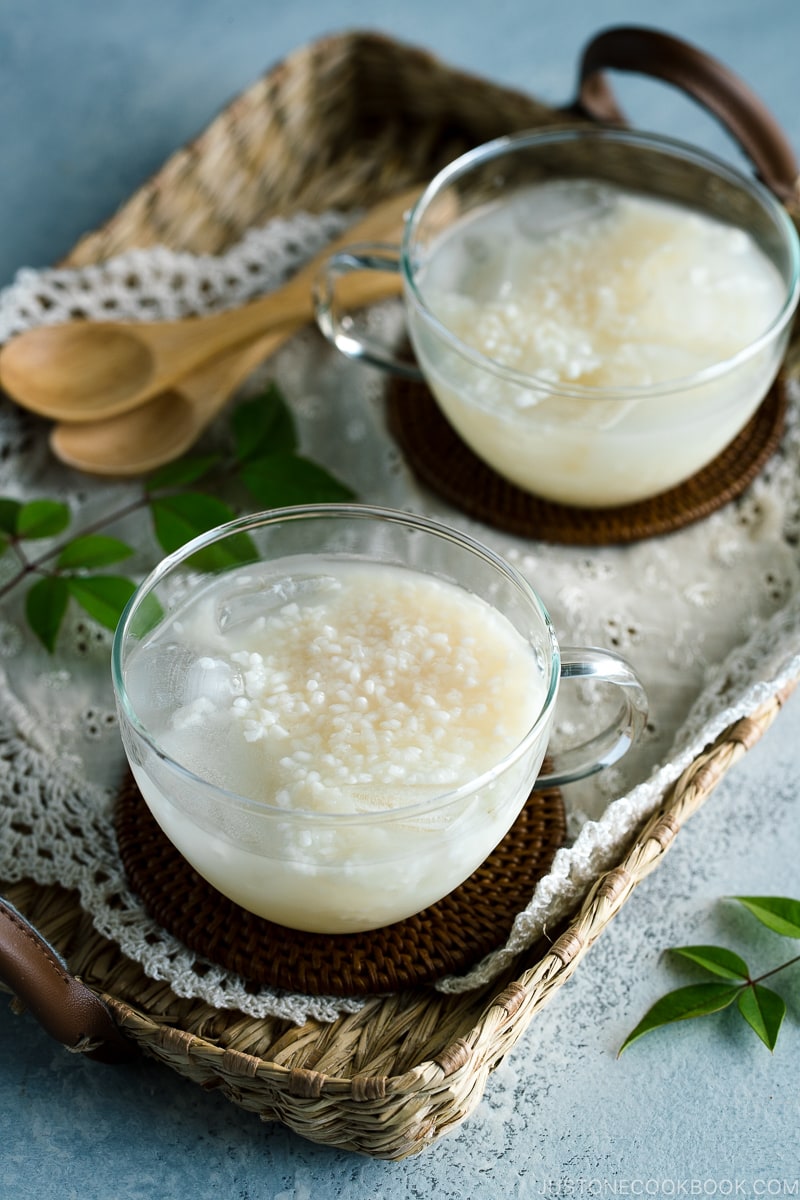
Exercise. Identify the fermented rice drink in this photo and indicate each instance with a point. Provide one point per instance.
(595, 294)
(328, 689)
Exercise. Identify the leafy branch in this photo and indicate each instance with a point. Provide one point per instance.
(761, 1007)
(264, 458)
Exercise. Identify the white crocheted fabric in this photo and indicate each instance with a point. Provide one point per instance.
(709, 616)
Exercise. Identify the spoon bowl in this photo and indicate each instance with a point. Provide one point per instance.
(91, 370)
(167, 425)
(133, 443)
(121, 365)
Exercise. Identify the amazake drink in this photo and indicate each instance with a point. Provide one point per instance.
(597, 312)
(336, 712)
(332, 694)
(595, 319)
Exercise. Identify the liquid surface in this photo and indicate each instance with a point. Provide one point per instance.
(580, 283)
(354, 688)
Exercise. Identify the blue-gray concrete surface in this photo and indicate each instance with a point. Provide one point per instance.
(94, 94)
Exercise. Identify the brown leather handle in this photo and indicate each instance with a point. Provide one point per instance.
(66, 1008)
(714, 86)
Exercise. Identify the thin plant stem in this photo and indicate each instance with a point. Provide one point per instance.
(30, 565)
(775, 970)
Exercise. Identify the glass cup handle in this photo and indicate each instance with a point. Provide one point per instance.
(336, 323)
(607, 747)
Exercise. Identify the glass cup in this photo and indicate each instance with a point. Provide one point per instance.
(611, 383)
(217, 647)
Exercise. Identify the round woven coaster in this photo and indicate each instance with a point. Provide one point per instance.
(446, 938)
(441, 461)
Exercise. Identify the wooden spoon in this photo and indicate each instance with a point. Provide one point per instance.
(85, 370)
(167, 425)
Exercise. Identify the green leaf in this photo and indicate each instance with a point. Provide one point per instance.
(263, 426)
(181, 473)
(92, 550)
(697, 1000)
(177, 519)
(235, 550)
(148, 616)
(103, 597)
(715, 959)
(282, 479)
(9, 515)
(776, 912)
(45, 605)
(764, 1011)
(42, 518)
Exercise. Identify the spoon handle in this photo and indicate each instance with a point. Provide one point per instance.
(210, 386)
(90, 370)
(187, 343)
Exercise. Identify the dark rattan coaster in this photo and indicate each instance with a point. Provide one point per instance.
(446, 938)
(439, 458)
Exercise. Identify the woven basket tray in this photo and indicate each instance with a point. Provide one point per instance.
(343, 122)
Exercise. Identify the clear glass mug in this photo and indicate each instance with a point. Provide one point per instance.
(360, 866)
(571, 442)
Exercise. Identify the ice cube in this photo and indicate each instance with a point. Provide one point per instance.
(161, 679)
(155, 680)
(252, 598)
(544, 210)
(484, 266)
(213, 679)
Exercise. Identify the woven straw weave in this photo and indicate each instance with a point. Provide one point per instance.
(343, 122)
(390, 1079)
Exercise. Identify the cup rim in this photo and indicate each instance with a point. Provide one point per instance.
(127, 711)
(670, 147)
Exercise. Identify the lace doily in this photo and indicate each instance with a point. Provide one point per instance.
(709, 616)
